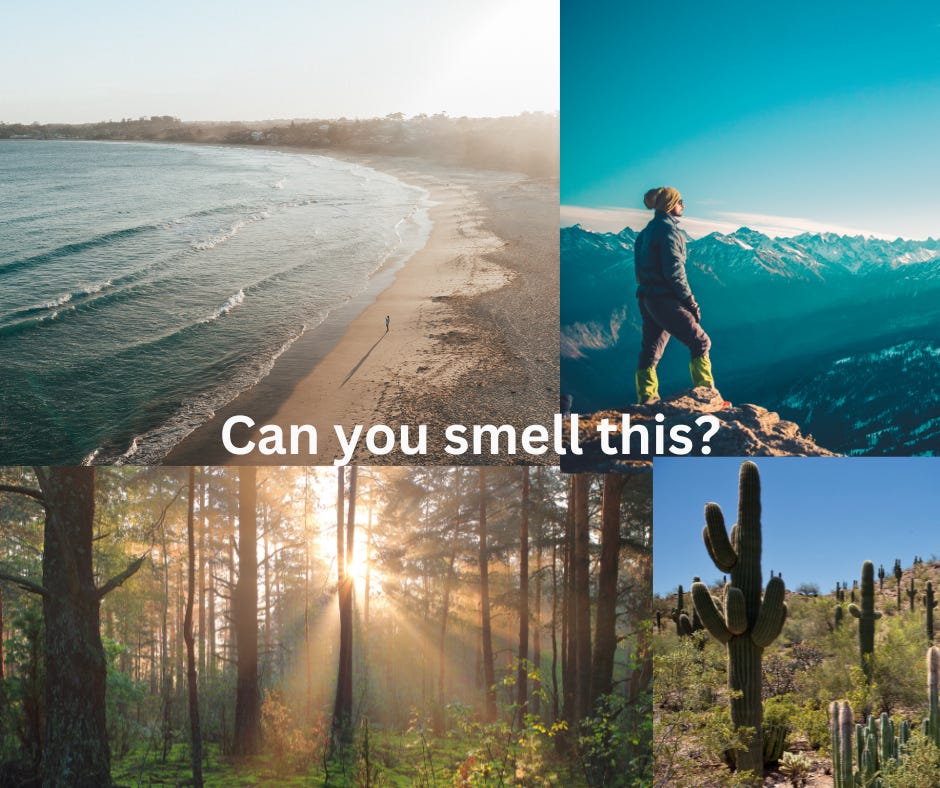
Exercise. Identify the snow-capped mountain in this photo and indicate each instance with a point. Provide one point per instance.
(779, 311)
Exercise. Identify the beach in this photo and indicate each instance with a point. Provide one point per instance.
(472, 337)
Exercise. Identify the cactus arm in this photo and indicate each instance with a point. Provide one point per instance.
(773, 612)
(716, 539)
(711, 618)
(735, 611)
(853, 609)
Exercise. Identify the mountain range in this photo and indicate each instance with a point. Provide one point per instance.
(840, 334)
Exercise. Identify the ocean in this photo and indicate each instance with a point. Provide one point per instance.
(144, 286)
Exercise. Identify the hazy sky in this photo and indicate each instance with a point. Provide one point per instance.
(800, 114)
(821, 517)
(237, 60)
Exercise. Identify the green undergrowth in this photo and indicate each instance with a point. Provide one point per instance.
(407, 758)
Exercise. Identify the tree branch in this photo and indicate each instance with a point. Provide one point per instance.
(22, 582)
(120, 579)
(27, 491)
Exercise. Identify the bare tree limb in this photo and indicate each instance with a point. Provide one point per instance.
(120, 579)
(22, 582)
(27, 491)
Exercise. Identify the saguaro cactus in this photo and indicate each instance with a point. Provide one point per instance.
(683, 623)
(866, 616)
(841, 730)
(911, 594)
(748, 624)
(898, 573)
(932, 723)
(881, 578)
(838, 616)
(929, 603)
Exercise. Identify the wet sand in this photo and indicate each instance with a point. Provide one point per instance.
(473, 335)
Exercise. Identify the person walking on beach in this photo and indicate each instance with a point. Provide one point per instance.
(388, 319)
(666, 303)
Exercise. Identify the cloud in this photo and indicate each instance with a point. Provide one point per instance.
(614, 219)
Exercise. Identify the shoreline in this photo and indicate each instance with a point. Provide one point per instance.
(473, 311)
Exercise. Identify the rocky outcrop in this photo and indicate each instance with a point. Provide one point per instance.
(691, 423)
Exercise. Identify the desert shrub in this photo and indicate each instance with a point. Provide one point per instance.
(919, 768)
(898, 666)
(692, 732)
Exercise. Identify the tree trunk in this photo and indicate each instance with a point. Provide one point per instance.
(245, 619)
(582, 577)
(522, 684)
(203, 560)
(536, 701)
(605, 640)
(308, 660)
(76, 750)
(489, 672)
(569, 663)
(191, 676)
(439, 725)
(342, 708)
(1, 638)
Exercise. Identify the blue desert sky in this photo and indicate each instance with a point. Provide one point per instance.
(240, 60)
(784, 117)
(822, 517)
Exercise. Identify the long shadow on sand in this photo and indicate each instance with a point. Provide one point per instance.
(362, 360)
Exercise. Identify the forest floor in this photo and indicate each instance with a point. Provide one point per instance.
(397, 759)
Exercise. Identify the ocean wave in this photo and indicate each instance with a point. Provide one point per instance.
(78, 247)
(231, 232)
(152, 446)
(227, 307)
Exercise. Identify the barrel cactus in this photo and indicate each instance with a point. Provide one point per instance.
(748, 623)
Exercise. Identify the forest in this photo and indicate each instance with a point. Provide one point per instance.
(311, 626)
(526, 143)
(760, 685)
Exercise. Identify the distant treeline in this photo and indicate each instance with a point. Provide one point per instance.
(525, 143)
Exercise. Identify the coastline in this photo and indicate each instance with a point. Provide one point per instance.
(473, 335)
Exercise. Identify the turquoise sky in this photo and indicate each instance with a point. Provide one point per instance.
(821, 517)
(788, 115)
(233, 59)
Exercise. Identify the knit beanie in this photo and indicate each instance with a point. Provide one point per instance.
(664, 199)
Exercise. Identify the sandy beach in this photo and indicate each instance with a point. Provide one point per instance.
(473, 336)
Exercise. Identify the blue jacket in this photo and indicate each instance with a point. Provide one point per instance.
(659, 254)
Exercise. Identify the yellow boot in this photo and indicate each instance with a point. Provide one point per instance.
(701, 370)
(647, 385)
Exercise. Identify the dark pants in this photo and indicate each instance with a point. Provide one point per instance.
(664, 316)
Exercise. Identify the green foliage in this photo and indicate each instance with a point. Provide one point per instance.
(122, 696)
(503, 755)
(896, 670)
(22, 694)
(294, 749)
(693, 731)
(611, 749)
(919, 768)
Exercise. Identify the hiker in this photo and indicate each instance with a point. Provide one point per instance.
(667, 305)
(388, 319)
